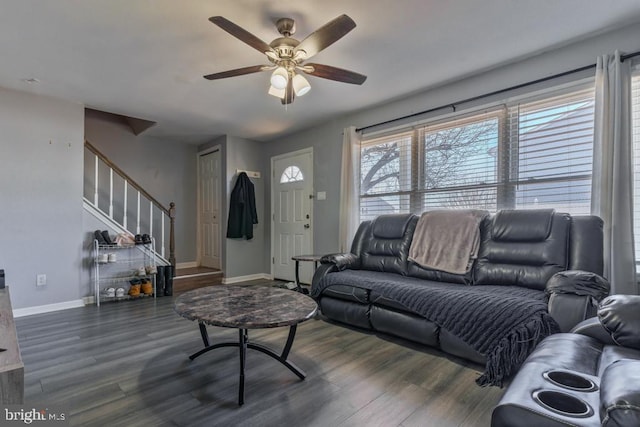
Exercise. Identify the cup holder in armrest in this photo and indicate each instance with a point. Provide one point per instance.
(570, 380)
(562, 403)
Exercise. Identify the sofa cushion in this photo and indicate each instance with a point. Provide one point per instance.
(510, 261)
(347, 293)
(522, 225)
(390, 226)
(415, 270)
(586, 244)
(386, 245)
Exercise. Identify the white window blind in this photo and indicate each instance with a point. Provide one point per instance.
(385, 175)
(460, 166)
(635, 110)
(552, 142)
(533, 154)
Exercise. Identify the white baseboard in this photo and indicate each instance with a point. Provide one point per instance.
(28, 311)
(237, 279)
(191, 264)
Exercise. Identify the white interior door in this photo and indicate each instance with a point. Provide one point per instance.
(209, 170)
(292, 192)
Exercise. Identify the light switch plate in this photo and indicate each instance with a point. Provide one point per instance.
(322, 195)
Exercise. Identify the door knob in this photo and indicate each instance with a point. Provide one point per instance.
(307, 226)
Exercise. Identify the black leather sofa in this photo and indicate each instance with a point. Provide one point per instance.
(522, 254)
(587, 378)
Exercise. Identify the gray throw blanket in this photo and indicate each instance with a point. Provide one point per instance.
(504, 323)
(447, 240)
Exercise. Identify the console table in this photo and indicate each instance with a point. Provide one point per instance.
(244, 308)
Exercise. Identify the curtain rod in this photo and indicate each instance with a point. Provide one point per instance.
(496, 92)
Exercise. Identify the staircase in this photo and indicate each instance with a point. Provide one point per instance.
(187, 279)
(125, 207)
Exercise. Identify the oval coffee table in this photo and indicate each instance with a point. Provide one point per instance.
(246, 307)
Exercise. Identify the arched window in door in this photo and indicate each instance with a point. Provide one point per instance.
(291, 174)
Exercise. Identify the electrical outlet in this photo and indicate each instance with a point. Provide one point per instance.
(41, 279)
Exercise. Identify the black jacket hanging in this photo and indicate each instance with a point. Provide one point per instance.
(242, 209)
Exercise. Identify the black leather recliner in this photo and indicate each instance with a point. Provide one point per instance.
(535, 249)
(590, 377)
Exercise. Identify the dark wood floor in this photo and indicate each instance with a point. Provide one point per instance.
(126, 364)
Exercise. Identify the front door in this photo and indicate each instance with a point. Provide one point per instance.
(292, 193)
(209, 170)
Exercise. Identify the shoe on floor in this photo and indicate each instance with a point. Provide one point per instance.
(146, 287)
(119, 292)
(134, 290)
(109, 293)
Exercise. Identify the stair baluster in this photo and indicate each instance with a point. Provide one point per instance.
(164, 212)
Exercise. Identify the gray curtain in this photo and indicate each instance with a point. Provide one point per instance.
(612, 188)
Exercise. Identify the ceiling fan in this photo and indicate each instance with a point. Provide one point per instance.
(288, 55)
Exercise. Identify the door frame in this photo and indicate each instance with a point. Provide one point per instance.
(199, 154)
(308, 150)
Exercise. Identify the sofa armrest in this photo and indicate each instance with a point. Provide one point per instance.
(617, 323)
(574, 295)
(592, 327)
(320, 272)
(620, 316)
(341, 261)
(333, 262)
(620, 395)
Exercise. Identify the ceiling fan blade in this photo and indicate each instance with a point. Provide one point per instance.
(241, 34)
(326, 35)
(335, 73)
(236, 72)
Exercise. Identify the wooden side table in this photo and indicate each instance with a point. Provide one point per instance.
(11, 365)
(310, 258)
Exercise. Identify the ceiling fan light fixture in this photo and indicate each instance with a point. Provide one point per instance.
(300, 85)
(278, 93)
(280, 78)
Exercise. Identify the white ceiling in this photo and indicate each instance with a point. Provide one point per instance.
(146, 58)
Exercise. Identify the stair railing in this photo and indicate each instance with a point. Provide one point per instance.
(166, 214)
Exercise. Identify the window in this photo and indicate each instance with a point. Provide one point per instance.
(554, 145)
(533, 154)
(291, 174)
(385, 175)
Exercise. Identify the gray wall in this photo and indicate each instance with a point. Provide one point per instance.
(41, 191)
(326, 139)
(42, 220)
(241, 257)
(167, 170)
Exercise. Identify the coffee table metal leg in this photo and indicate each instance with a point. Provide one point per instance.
(243, 338)
(243, 344)
(287, 346)
(205, 335)
(282, 358)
